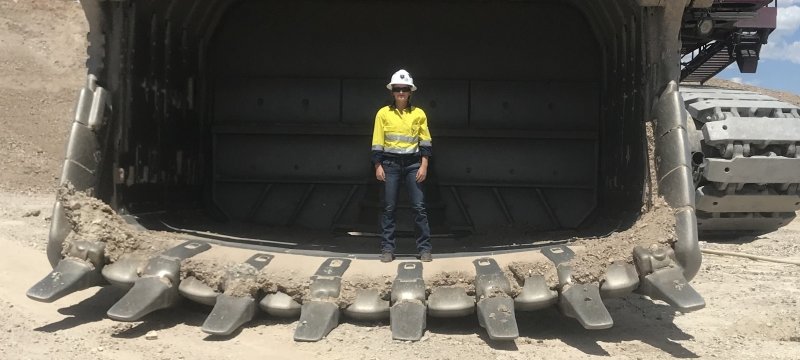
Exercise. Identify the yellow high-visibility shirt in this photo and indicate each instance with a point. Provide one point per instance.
(401, 132)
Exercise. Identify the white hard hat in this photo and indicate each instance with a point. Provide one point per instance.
(401, 77)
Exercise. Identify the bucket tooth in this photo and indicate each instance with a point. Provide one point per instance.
(535, 295)
(147, 295)
(368, 305)
(279, 304)
(408, 320)
(125, 271)
(327, 281)
(69, 275)
(320, 315)
(158, 287)
(670, 286)
(662, 278)
(317, 319)
(407, 315)
(495, 306)
(197, 291)
(78, 270)
(449, 302)
(229, 313)
(583, 302)
(496, 315)
(489, 279)
(408, 285)
(619, 280)
(579, 301)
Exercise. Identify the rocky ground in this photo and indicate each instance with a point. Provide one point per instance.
(752, 307)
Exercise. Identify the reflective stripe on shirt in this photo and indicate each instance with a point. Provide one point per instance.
(403, 138)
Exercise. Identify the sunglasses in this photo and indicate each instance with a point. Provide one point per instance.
(401, 89)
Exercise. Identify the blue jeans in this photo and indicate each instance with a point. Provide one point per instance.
(403, 170)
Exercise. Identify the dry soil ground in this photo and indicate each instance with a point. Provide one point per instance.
(752, 310)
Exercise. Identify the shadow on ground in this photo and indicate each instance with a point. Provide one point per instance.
(635, 319)
(91, 309)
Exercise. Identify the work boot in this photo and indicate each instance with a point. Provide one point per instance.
(387, 256)
(425, 256)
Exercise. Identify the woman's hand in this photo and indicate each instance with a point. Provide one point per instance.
(379, 174)
(422, 172)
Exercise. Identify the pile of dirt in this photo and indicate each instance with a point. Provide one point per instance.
(208, 271)
(655, 226)
(93, 220)
(452, 279)
(351, 286)
(240, 279)
(289, 283)
(523, 270)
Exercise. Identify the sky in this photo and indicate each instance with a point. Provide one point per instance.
(779, 67)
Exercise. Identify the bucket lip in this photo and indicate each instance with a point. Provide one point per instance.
(259, 245)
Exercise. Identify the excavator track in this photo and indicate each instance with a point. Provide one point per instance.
(745, 161)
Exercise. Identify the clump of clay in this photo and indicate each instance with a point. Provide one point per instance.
(516, 286)
(93, 220)
(208, 271)
(452, 279)
(521, 270)
(350, 287)
(289, 283)
(242, 280)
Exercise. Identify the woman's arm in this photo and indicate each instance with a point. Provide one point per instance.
(377, 147)
(422, 173)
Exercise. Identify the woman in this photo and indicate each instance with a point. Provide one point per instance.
(401, 146)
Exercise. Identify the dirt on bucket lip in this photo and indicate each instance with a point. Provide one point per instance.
(93, 220)
(655, 226)
(522, 270)
(351, 286)
(452, 279)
